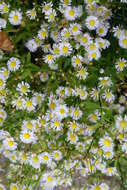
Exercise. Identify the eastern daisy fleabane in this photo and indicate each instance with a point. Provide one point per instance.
(92, 22)
(105, 82)
(65, 48)
(31, 45)
(31, 13)
(77, 61)
(23, 88)
(121, 64)
(27, 137)
(9, 143)
(45, 158)
(13, 64)
(82, 73)
(29, 104)
(108, 96)
(35, 161)
(4, 8)
(15, 17)
(70, 13)
(106, 143)
(121, 123)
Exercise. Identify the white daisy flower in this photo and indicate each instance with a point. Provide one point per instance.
(94, 94)
(72, 137)
(49, 181)
(77, 61)
(106, 143)
(45, 158)
(4, 8)
(31, 45)
(65, 48)
(27, 137)
(57, 155)
(94, 117)
(85, 39)
(23, 88)
(43, 33)
(82, 73)
(15, 17)
(18, 103)
(111, 171)
(94, 55)
(13, 64)
(82, 93)
(70, 13)
(29, 104)
(121, 64)
(34, 161)
(50, 15)
(105, 82)
(108, 154)
(31, 14)
(92, 22)
(61, 112)
(49, 58)
(76, 113)
(65, 34)
(47, 7)
(44, 77)
(108, 96)
(9, 144)
(75, 28)
(121, 123)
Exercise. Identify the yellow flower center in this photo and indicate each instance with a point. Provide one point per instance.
(108, 154)
(29, 125)
(5, 8)
(107, 142)
(75, 28)
(77, 61)
(121, 64)
(49, 179)
(15, 17)
(29, 103)
(35, 159)
(26, 135)
(14, 187)
(74, 126)
(123, 124)
(65, 49)
(13, 64)
(23, 89)
(45, 157)
(72, 137)
(56, 154)
(62, 111)
(92, 22)
(97, 188)
(124, 42)
(43, 34)
(94, 55)
(57, 123)
(84, 39)
(101, 30)
(71, 12)
(10, 143)
(1, 82)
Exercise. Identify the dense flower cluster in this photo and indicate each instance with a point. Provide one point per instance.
(60, 113)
